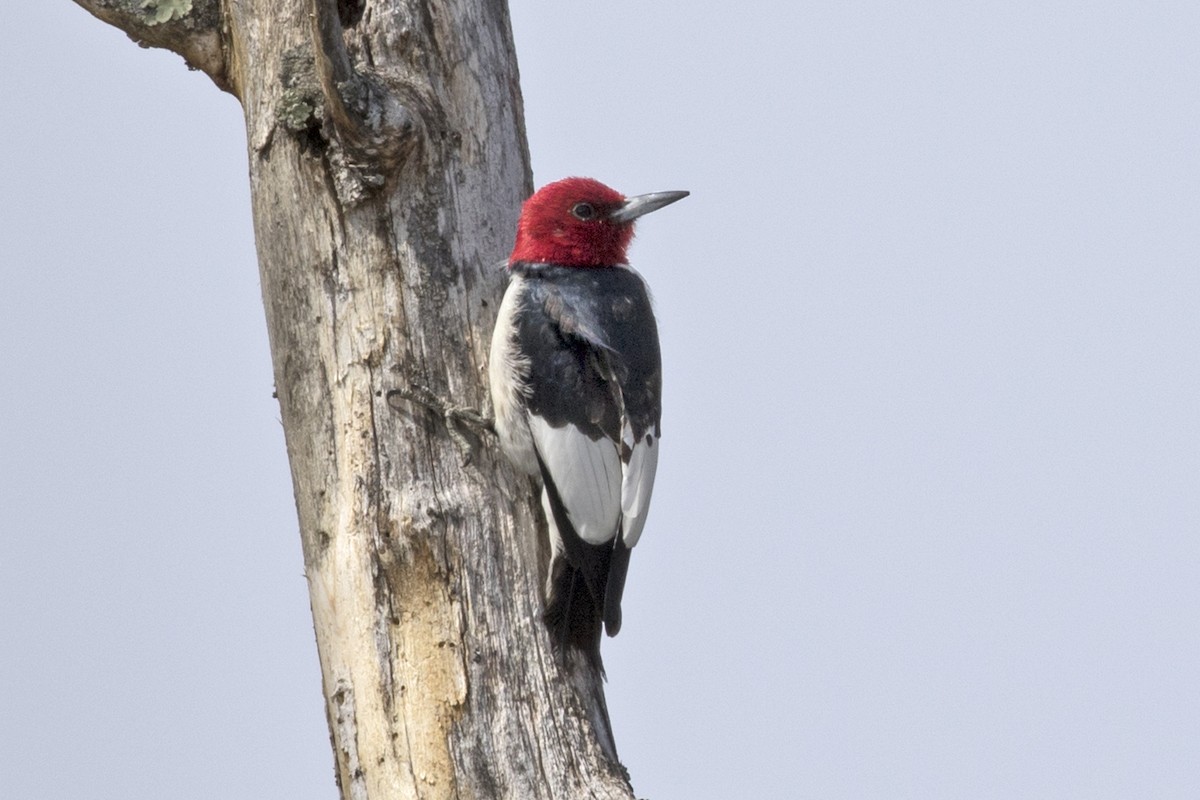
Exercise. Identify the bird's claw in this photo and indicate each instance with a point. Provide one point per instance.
(455, 417)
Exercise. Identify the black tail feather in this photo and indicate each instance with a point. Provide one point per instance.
(572, 616)
(618, 567)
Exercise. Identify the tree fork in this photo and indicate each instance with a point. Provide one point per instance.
(387, 166)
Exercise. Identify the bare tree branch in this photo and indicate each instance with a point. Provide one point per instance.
(191, 28)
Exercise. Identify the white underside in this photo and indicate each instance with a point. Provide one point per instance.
(508, 371)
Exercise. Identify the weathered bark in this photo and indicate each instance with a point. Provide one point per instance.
(387, 166)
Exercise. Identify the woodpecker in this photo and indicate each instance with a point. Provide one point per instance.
(576, 383)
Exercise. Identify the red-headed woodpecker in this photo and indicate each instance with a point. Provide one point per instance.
(576, 382)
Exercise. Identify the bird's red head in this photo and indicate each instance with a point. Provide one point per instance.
(568, 222)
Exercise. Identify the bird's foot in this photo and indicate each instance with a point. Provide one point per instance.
(457, 418)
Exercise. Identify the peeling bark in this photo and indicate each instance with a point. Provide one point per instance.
(387, 165)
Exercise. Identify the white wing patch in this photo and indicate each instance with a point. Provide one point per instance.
(588, 477)
(637, 484)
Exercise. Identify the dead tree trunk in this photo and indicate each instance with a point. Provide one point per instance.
(387, 165)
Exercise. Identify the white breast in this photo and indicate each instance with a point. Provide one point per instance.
(508, 373)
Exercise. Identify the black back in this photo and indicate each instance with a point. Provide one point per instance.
(588, 333)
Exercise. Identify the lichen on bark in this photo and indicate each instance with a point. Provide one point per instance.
(160, 11)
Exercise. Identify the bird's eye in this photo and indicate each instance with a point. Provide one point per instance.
(584, 211)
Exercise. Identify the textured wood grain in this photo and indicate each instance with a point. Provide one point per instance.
(386, 179)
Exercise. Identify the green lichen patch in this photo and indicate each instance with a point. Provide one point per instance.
(300, 106)
(160, 11)
(296, 110)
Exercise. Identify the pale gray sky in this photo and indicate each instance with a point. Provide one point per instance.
(927, 522)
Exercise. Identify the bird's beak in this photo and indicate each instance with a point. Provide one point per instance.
(635, 207)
